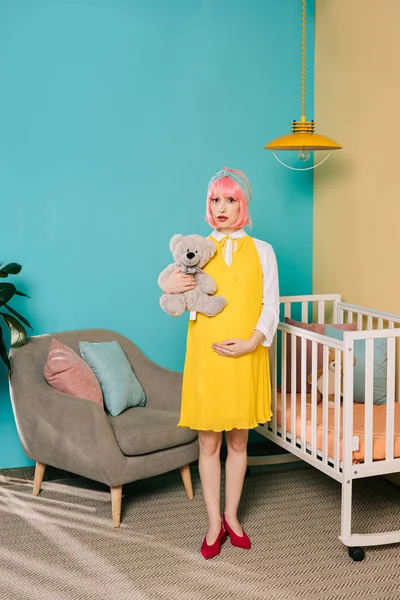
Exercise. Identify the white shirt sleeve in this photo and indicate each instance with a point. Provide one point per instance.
(269, 318)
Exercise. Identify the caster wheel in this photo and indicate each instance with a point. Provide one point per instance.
(356, 553)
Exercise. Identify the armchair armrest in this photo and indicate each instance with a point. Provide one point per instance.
(65, 431)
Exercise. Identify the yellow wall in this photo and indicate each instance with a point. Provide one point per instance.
(357, 192)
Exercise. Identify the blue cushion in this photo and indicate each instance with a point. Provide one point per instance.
(380, 367)
(120, 386)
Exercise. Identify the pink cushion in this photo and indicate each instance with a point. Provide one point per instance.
(315, 328)
(67, 372)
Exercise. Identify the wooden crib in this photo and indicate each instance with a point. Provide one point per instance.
(345, 439)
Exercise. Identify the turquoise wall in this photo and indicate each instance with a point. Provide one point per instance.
(113, 116)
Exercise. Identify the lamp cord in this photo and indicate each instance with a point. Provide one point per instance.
(303, 57)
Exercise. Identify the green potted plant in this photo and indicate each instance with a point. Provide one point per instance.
(11, 318)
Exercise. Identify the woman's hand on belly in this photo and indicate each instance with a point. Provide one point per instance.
(238, 347)
(233, 348)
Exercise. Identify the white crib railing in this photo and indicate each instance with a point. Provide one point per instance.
(321, 302)
(358, 314)
(288, 438)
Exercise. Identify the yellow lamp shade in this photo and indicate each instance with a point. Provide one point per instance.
(302, 141)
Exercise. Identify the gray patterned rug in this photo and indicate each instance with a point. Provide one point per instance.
(62, 546)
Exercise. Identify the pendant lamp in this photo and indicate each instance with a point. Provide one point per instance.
(303, 138)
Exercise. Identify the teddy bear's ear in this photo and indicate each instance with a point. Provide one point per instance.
(175, 241)
(332, 355)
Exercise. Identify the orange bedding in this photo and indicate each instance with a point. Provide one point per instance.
(379, 427)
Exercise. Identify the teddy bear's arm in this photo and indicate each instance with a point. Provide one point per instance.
(165, 275)
(206, 283)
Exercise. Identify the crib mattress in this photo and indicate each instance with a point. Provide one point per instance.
(379, 427)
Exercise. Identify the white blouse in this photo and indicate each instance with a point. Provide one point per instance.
(269, 318)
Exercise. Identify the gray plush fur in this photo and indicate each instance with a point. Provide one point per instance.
(200, 299)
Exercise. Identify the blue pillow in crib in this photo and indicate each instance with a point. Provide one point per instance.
(380, 367)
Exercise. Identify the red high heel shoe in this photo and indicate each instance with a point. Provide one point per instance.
(215, 548)
(242, 541)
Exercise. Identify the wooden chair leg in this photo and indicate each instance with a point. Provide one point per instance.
(187, 481)
(39, 474)
(116, 501)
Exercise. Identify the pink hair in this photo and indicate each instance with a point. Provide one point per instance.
(229, 189)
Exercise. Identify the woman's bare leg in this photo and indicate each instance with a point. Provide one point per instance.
(236, 465)
(210, 475)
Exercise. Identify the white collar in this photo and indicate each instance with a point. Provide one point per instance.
(218, 235)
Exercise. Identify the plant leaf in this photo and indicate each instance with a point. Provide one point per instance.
(12, 268)
(7, 291)
(18, 332)
(20, 317)
(18, 293)
(3, 351)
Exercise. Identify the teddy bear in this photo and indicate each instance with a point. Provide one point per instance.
(331, 377)
(191, 254)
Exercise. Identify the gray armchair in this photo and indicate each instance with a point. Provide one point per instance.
(80, 437)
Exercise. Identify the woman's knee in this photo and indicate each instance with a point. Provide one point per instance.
(210, 442)
(236, 440)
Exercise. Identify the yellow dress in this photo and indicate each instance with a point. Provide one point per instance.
(221, 393)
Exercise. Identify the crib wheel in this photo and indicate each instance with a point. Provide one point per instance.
(356, 553)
